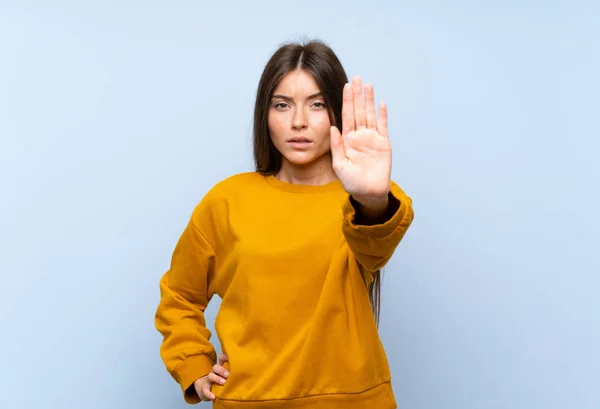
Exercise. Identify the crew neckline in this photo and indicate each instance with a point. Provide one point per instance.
(301, 188)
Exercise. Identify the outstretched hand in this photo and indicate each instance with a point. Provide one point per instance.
(362, 153)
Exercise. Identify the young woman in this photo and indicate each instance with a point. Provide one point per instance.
(294, 251)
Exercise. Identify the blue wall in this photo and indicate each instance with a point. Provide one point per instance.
(116, 117)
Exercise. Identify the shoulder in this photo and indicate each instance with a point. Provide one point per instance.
(211, 216)
(231, 189)
(234, 183)
(234, 187)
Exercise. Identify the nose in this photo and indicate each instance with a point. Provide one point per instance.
(299, 121)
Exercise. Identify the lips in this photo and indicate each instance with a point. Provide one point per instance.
(299, 139)
(300, 142)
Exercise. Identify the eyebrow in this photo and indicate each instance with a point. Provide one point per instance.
(313, 96)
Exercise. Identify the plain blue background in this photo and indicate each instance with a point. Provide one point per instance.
(116, 117)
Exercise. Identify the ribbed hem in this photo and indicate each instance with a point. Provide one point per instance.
(378, 230)
(378, 397)
(194, 367)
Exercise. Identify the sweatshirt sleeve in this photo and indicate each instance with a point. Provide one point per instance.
(184, 296)
(374, 245)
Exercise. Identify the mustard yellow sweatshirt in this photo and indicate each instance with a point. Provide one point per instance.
(295, 319)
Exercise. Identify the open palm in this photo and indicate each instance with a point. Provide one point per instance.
(362, 153)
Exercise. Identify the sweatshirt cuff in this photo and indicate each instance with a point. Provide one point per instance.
(193, 368)
(377, 230)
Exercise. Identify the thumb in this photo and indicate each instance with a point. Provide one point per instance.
(336, 144)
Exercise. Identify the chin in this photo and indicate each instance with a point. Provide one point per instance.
(303, 158)
(296, 159)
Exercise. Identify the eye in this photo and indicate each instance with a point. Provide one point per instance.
(280, 105)
(319, 104)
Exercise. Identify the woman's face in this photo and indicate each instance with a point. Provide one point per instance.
(298, 119)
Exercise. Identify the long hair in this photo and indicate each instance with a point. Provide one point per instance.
(318, 59)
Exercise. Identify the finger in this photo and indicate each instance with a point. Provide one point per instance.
(370, 107)
(208, 395)
(382, 121)
(220, 370)
(337, 145)
(222, 359)
(347, 110)
(213, 377)
(359, 103)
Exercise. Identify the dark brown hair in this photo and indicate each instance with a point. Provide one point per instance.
(318, 59)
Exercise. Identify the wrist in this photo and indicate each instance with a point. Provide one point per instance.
(372, 207)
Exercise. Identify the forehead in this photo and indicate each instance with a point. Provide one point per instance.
(297, 83)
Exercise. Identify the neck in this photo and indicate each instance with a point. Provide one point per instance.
(318, 172)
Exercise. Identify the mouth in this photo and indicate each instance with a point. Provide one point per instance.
(299, 143)
(299, 139)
